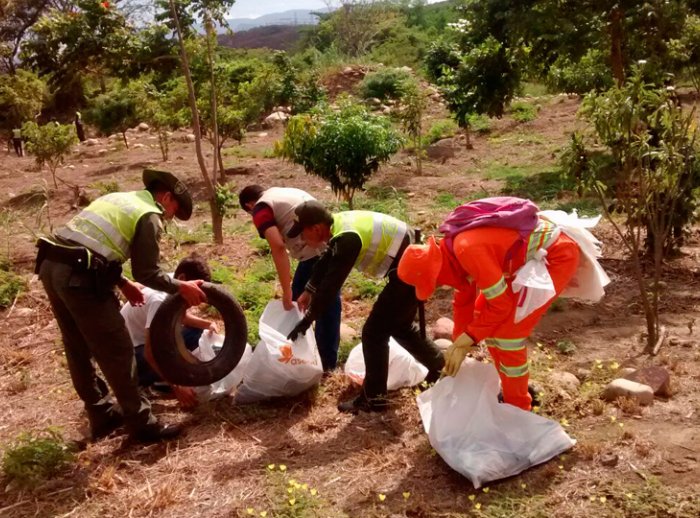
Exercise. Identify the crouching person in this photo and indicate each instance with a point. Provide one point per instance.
(138, 322)
(481, 264)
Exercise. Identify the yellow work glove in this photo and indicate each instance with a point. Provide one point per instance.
(455, 354)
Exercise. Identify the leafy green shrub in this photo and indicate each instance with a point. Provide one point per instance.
(522, 111)
(480, 123)
(49, 143)
(11, 285)
(106, 186)
(442, 128)
(114, 111)
(35, 457)
(386, 83)
(591, 72)
(359, 286)
(344, 147)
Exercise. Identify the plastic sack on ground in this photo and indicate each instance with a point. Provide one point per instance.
(479, 437)
(404, 369)
(208, 345)
(278, 367)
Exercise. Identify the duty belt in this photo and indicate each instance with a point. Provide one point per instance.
(78, 257)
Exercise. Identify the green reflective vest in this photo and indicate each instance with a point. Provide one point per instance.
(16, 133)
(381, 237)
(107, 226)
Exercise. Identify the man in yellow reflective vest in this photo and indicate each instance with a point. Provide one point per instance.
(80, 267)
(373, 243)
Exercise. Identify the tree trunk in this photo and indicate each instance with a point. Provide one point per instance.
(209, 25)
(126, 142)
(221, 160)
(616, 61)
(163, 142)
(467, 133)
(216, 219)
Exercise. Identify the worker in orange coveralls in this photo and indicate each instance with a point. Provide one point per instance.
(481, 267)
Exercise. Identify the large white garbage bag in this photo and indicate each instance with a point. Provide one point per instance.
(404, 370)
(278, 367)
(479, 437)
(208, 344)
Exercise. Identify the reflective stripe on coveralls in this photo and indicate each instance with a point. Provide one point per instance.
(381, 237)
(107, 226)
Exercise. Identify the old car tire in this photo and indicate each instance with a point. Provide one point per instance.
(175, 362)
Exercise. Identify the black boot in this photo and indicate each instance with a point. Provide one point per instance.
(353, 406)
(157, 432)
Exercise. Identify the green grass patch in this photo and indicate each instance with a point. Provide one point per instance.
(531, 89)
(182, 235)
(106, 187)
(480, 123)
(386, 200)
(445, 200)
(36, 457)
(519, 138)
(359, 286)
(522, 111)
(440, 129)
(11, 285)
(253, 288)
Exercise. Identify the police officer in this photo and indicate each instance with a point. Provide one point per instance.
(80, 267)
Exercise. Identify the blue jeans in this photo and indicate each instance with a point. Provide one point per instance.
(146, 375)
(327, 324)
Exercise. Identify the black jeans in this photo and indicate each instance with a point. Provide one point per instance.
(393, 315)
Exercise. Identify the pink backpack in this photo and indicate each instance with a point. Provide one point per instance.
(503, 211)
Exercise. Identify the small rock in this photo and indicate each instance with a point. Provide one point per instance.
(443, 343)
(24, 312)
(626, 388)
(410, 194)
(609, 459)
(143, 127)
(658, 378)
(275, 119)
(443, 328)
(190, 137)
(138, 146)
(101, 152)
(71, 167)
(347, 333)
(583, 374)
(626, 371)
(565, 381)
(179, 157)
(348, 70)
(91, 142)
(441, 150)
(262, 134)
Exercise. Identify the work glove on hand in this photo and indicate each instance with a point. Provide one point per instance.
(299, 329)
(455, 354)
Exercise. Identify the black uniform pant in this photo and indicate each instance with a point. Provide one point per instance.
(393, 315)
(17, 143)
(93, 328)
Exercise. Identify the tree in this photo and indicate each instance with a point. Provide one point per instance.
(22, 96)
(414, 104)
(343, 147)
(114, 111)
(89, 37)
(16, 18)
(163, 109)
(49, 144)
(211, 11)
(653, 145)
(356, 25)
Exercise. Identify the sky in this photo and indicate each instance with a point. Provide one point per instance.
(255, 8)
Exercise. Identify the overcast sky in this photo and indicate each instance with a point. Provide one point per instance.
(255, 8)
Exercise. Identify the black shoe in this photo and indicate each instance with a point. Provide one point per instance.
(533, 394)
(103, 428)
(353, 406)
(157, 432)
(433, 377)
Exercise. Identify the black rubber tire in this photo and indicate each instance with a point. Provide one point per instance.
(175, 362)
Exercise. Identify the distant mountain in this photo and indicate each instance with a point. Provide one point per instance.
(277, 37)
(292, 17)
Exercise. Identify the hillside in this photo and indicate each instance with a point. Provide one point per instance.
(300, 458)
(276, 37)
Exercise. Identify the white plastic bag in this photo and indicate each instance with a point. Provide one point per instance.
(479, 437)
(208, 343)
(278, 367)
(534, 285)
(590, 279)
(404, 370)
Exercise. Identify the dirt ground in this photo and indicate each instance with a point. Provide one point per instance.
(254, 460)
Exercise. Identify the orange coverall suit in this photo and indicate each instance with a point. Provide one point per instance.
(481, 270)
